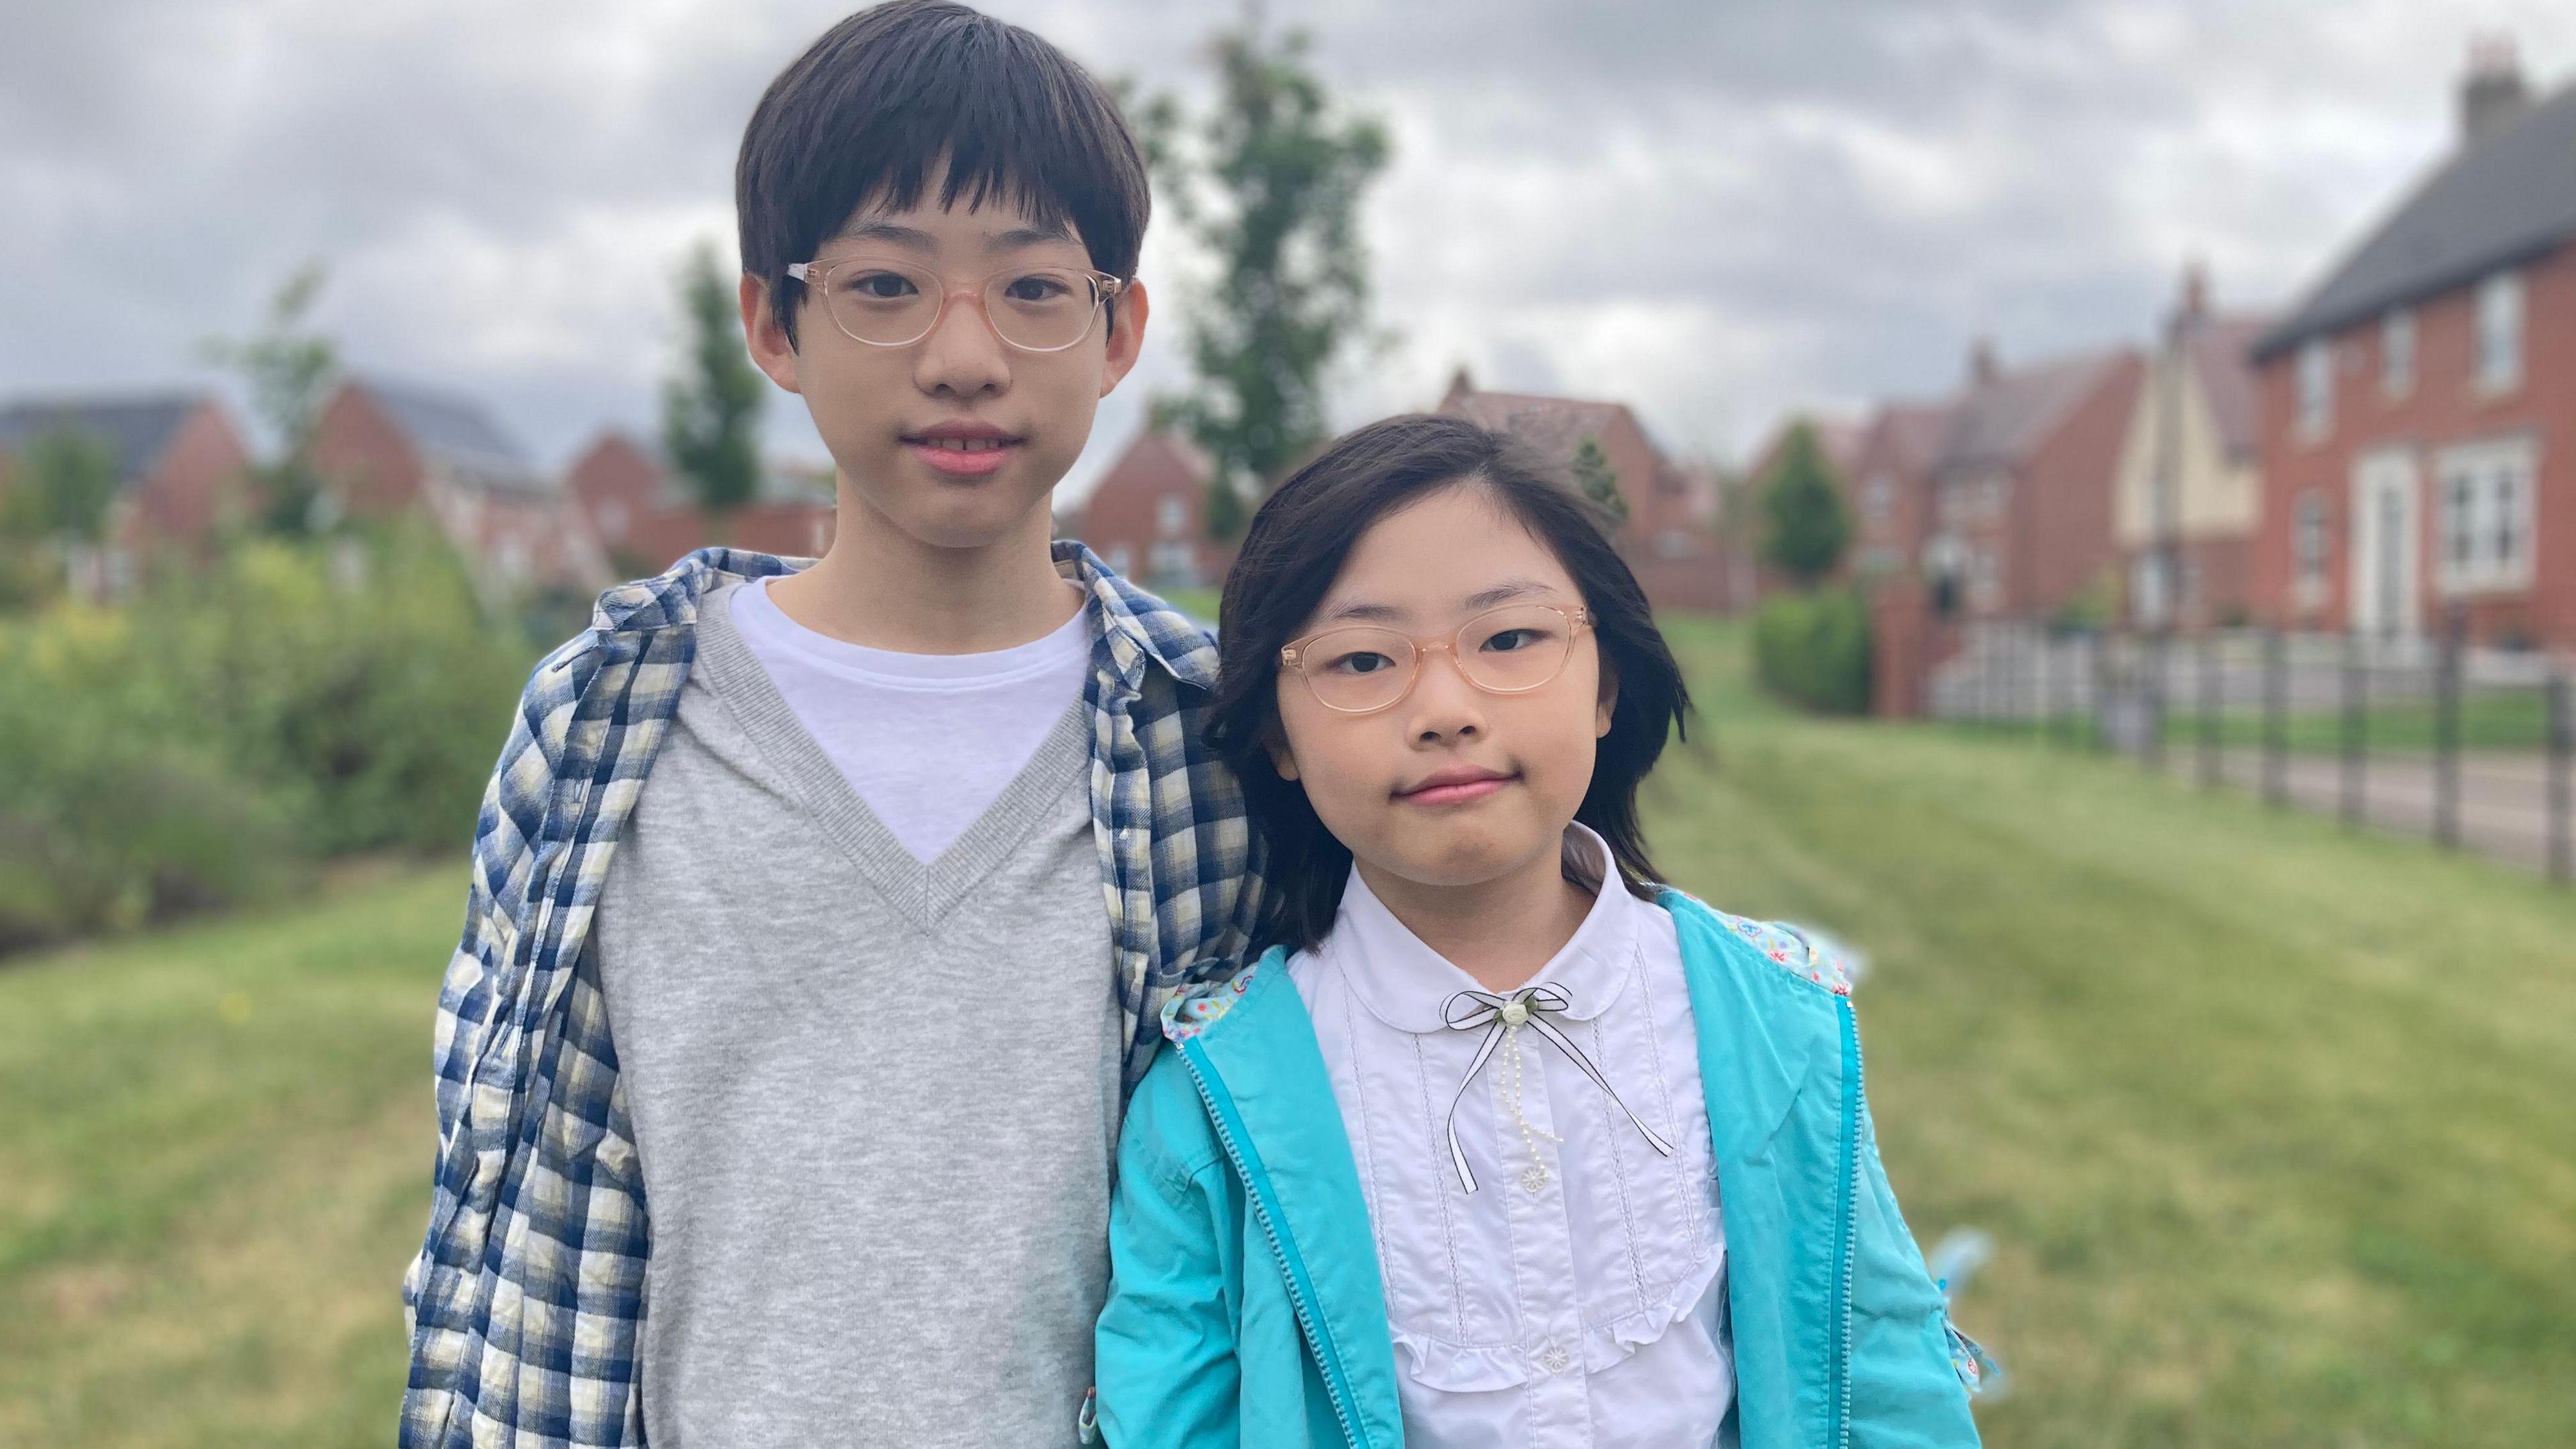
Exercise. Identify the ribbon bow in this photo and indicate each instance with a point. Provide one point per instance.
(1502, 1017)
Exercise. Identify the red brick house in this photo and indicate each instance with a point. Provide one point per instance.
(2419, 404)
(1670, 537)
(386, 449)
(1147, 516)
(180, 465)
(645, 519)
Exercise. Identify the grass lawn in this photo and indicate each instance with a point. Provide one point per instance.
(2271, 1124)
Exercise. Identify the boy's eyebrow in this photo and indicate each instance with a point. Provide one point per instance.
(1027, 236)
(910, 237)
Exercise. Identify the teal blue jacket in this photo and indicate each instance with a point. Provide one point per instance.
(1245, 1308)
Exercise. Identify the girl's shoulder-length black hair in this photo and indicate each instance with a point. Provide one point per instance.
(1290, 557)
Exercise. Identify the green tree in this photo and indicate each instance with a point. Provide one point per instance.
(1269, 184)
(711, 409)
(289, 368)
(1598, 480)
(1805, 525)
(58, 499)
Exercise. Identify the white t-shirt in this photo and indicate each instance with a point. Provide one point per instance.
(1577, 1296)
(929, 741)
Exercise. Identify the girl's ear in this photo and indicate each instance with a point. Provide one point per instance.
(1609, 702)
(1282, 759)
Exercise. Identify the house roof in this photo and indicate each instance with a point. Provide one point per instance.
(2003, 420)
(136, 430)
(2219, 349)
(2497, 202)
(457, 435)
(1908, 436)
(1555, 426)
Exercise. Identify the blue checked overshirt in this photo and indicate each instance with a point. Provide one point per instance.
(528, 1298)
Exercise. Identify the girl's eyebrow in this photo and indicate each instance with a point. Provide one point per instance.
(1478, 602)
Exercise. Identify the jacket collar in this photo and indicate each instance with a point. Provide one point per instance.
(1135, 627)
(1758, 1028)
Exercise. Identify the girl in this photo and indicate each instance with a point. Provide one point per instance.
(1502, 1143)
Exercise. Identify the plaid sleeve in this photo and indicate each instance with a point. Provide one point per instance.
(502, 1275)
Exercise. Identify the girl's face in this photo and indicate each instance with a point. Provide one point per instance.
(1451, 786)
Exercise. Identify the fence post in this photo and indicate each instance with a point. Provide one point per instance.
(2153, 748)
(2562, 798)
(2209, 698)
(2276, 731)
(2352, 727)
(2098, 642)
(2446, 736)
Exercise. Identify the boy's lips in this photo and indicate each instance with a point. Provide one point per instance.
(1455, 786)
(962, 450)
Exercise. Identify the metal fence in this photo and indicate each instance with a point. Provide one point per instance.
(2471, 747)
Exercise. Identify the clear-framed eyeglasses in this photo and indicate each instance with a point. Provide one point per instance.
(1362, 668)
(885, 302)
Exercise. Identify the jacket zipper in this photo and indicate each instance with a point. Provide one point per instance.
(1847, 1211)
(1335, 1390)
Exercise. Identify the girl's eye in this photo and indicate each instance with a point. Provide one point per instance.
(1359, 661)
(1511, 639)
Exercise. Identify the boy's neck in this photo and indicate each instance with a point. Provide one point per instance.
(880, 587)
(1499, 931)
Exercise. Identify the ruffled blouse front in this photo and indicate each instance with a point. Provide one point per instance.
(1576, 1296)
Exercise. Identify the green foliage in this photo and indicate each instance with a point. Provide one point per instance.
(298, 700)
(2091, 608)
(711, 409)
(61, 488)
(1598, 480)
(290, 369)
(1813, 649)
(1269, 183)
(1805, 524)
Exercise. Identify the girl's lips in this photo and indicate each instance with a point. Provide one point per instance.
(968, 462)
(1457, 794)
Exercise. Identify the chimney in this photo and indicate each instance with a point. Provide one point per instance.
(1460, 385)
(1982, 368)
(2195, 291)
(2492, 95)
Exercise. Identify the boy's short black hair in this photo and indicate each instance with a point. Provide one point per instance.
(868, 110)
(1291, 556)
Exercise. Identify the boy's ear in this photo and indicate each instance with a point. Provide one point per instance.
(770, 349)
(1609, 703)
(1126, 334)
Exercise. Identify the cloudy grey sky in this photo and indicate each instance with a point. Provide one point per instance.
(1715, 211)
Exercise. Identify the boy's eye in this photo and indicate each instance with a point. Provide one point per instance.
(1037, 287)
(881, 286)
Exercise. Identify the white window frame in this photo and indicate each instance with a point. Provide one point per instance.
(1172, 515)
(2500, 333)
(2397, 352)
(2484, 493)
(1878, 497)
(2311, 537)
(2316, 387)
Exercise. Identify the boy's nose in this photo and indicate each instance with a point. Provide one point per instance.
(961, 356)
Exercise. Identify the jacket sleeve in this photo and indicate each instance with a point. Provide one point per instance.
(1166, 1360)
(1905, 1391)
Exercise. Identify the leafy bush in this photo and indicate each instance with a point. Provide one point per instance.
(1813, 649)
(190, 750)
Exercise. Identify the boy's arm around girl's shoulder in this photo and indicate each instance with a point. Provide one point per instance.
(1166, 1350)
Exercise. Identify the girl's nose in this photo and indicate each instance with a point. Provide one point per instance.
(1445, 705)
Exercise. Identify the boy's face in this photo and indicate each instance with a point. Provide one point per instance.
(1451, 786)
(893, 416)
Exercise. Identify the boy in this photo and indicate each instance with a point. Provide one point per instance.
(822, 914)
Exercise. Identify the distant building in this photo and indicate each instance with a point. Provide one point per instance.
(2191, 471)
(646, 520)
(180, 467)
(2419, 404)
(1670, 537)
(1147, 516)
(386, 449)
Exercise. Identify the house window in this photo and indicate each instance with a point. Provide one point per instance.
(2500, 332)
(2397, 352)
(1121, 559)
(1878, 497)
(2486, 493)
(2308, 537)
(1172, 515)
(2316, 387)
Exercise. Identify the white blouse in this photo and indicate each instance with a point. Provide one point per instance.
(1576, 1296)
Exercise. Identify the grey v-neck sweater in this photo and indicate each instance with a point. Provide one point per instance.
(875, 1101)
